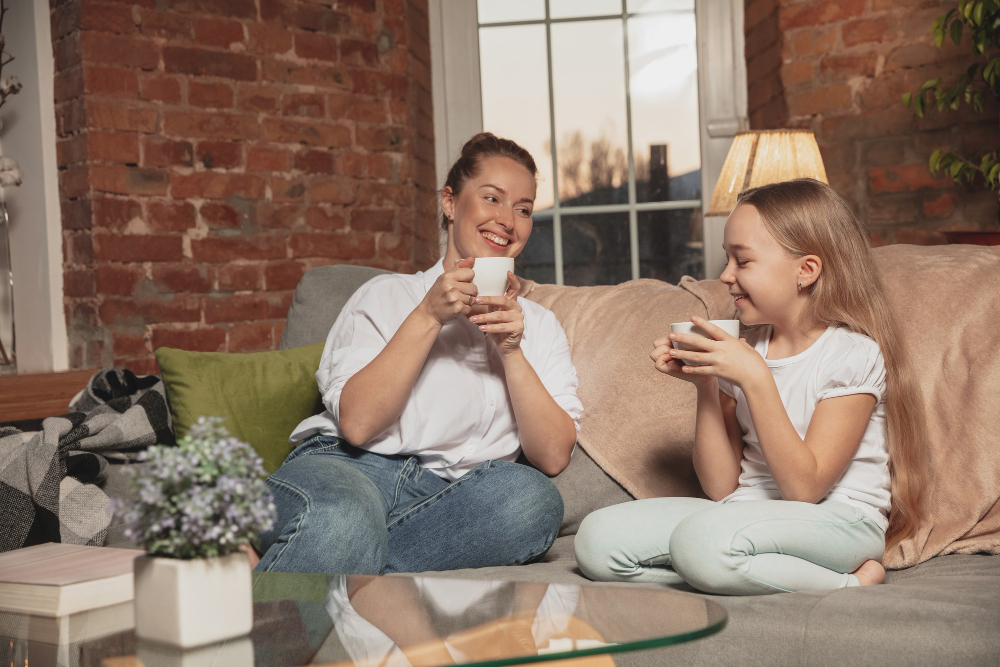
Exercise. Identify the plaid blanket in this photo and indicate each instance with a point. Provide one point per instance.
(50, 480)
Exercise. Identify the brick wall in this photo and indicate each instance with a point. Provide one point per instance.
(211, 151)
(840, 69)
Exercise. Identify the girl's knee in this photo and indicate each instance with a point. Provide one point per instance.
(598, 548)
(701, 555)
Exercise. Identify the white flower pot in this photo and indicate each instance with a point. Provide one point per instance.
(187, 603)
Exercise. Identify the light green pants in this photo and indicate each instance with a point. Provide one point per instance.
(748, 547)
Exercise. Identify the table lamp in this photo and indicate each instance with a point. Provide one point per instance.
(757, 157)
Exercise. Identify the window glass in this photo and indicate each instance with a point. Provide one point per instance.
(596, 249)
(537, 259)
(501, 11)
(644, 6)
(562, 9)
(670, 244)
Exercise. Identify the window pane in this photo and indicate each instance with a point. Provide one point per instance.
(496, 11)
(537, 260)
(640, 6)
(663, 68)
(562, 9)
(588, 72)
(515, 87)
(670, 245)
(596, 249)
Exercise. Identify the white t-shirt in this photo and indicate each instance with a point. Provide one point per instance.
(459, 412)
(839, 363)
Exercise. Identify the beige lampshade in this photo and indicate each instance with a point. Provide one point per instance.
(765, 156)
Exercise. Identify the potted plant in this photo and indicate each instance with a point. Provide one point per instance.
(198, 503)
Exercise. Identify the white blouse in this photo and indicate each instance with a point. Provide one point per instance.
(459, 413)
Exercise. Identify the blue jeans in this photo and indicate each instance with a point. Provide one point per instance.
(344, 510)
(746, 547)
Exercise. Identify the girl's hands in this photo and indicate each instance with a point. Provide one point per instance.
(665, 362)
(452, 294)
(504, 322)
(722, 356)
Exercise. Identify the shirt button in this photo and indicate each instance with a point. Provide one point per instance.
(492, 402)
(482, 357)
(470, 449)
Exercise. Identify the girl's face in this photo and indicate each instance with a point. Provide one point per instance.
(761, 275)
(491, 216)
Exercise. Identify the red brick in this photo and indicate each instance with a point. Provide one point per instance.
(364, 165)
(218, 32)
(202, 62)
(78, 284)
(247, 307)
(904, 178)
(77, 214)
(797, 71)
(321, 19)
(940, 207)
(333, 191)
(372, 220)
(215, 185)
(353, 245)
(367, 82)
(67, 52)
(315, 46)
(217, 249)
(269, 39)
(78, 248)
(920, 236)
(237, 276)
(325, 218)
(110, 82)
(815, 42)
(314, 162)
(839, 68)
(68, 84)
(381, 138)
(200, 339)
(382, 195)
(220, 154)
(278, 215)
(74, 181)
(310, 134)
(392, 246)
(303, 104)
(138, 248)
(119, 279)
(282, 11)
(170, 216)
(288, 189)
(109, 115)
(792, 16)
(279, 330)
(72, 150)
(199, 124)
(65, 20)
(866, 30)
(129, 344)
(183, 277)
(118, 147)
(118, 50)
(115, 213)
(166, 153)
(283, 71)
(258, 98)
(909, 56)
(821, 101)
(283, 275)
(128, 180)
(357, 109)
(241, 9)
(166, 89)
(210, 95)
(174, 27)
(360, 53)
(220, 215)
(251, 336)
(266, 158)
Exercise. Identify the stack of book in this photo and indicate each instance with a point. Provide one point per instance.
(67, 593)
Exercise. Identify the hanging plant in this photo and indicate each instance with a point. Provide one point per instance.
(981, 82)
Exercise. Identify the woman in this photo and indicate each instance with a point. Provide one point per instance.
(431, 393)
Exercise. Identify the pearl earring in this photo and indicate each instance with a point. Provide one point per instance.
(800, 285)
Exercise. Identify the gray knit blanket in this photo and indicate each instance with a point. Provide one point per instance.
(50, 480)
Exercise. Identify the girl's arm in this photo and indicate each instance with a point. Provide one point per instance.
(806, 469)
(375, 396)
(718, 442)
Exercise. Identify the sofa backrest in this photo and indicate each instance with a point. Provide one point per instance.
(318, 299)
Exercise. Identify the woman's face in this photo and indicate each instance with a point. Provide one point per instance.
(491, 216)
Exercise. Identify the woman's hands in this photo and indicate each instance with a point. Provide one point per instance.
(504, 321)
(723, 356)
(452, 294)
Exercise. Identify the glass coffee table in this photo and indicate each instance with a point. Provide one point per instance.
(423, 620)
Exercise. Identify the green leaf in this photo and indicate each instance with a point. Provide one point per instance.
(935, 161)
(918, 104)
(907, 99)
(994, 173)
(956, 168)
(977, 103)
(977, 13)
(930, 83)
(956, 31)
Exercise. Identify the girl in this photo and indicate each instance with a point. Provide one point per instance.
(808, 438)
(431, 393)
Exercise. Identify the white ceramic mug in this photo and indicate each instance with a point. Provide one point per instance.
(491, 275)
(731, 327)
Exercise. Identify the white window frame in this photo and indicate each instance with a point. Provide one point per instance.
(722, 97)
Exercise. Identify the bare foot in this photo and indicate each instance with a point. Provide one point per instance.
(870, 573)
(255, 557)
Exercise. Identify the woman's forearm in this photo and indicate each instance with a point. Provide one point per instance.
(375, 396)
(715, 461)
(546, 431)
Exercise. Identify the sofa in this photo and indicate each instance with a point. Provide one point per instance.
(942, 604)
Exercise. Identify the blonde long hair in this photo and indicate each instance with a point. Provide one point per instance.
(807, 217)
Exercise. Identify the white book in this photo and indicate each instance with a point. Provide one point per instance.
(60, 579)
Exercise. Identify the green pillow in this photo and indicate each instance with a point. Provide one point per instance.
(262, 396)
